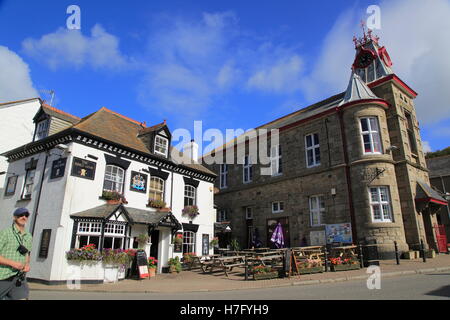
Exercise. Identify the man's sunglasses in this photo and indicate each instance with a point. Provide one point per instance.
(23, 215)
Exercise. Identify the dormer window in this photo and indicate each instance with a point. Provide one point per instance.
(161, 145)
(42, 129)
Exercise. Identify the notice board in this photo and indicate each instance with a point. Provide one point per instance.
(142, 264)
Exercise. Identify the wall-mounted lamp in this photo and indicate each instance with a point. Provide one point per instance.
(4, 172)
(333, 192)
(447, 196)
(389, 149)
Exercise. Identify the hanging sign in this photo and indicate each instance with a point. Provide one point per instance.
(83, 168)
(58, 168)
(142, 264)
(138, 182)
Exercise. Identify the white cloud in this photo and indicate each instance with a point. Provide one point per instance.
(70, 48)
(15, 79)
(426, 146)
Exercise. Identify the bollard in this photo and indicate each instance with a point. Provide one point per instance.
(422, 249)
(396, 253)
(326, 259)
(361, 258)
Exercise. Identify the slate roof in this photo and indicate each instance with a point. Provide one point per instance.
(138, 216)
(428, 192)
(357, 90)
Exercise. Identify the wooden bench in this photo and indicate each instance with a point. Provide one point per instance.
(227, 263)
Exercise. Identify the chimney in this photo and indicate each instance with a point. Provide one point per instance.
(191, 151)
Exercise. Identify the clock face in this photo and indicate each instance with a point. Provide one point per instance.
(363, 59)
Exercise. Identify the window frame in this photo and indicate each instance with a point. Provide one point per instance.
(164, 146)
(247, 211)
(26, 184)
(381, 203)
(315, 148)
(222, 215)
(320, 211)
(82, 233)
(280, 206)
(114, 181)
(156, 191)
(223, 183)
(42, 129)
(190, 195)
(276, 166)
(411, 132)
(189, 246)
(247, 169)
(114, 231)
(371, 133)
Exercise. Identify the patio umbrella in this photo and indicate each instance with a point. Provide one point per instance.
(277, 236)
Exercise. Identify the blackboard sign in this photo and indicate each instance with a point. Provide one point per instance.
(142, 264)
(58, 168)
(83, 168)
(45, 243)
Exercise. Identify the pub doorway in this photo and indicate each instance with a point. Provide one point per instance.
(154, 239)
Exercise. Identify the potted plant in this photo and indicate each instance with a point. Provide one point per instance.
(190, 211)
(264, 273)
(142, 239)
(214, 242)
(175, 265)
(152, 264)
(178, 239)
(234, 245)
(113, 197)
(114, 262)
(158, 204)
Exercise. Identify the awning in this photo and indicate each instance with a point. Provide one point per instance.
(428, 195)
(190, 227)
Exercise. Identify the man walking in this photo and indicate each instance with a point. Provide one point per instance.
(15, 247)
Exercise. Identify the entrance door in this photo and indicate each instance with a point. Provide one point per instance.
(441, 238)
(155, 243)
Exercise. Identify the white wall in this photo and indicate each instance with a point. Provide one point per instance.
(65, 196)
(16, 129)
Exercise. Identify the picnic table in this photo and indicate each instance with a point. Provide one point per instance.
(202, 261)
(263, 260)
(226, 263)
(345, 251)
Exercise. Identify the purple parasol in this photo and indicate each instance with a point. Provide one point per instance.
(277, 236)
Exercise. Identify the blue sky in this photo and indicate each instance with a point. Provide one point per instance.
(231, 64)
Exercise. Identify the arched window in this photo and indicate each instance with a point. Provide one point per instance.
(113, 179)
(156, 189)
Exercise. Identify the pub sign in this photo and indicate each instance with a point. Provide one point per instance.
(83, 168)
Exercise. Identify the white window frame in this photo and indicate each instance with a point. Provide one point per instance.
(314, 148)
(318, 210)
(374, 135)
(42, 129)
(116, 176)
(114, 231)
(152, 190)
(277, 206)
(189, 241)
(88, 229)
(247, 169)
(163, 144)
(190, 193)
(28, 184)
(223, 176)
(275, 160)
(384, 205)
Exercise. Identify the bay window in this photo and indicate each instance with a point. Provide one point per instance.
(370, 133)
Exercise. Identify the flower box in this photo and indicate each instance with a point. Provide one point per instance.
(84, 271)
(310, 270)
(111, 274)
(344, 267)
(265, 276)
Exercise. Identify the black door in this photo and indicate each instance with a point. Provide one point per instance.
(155, 243)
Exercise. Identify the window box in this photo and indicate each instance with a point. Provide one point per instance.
(191, 211)
(157, 204)
(310, 270)
(113, 197)
(265, 275)
(345, 267)
(86, 270)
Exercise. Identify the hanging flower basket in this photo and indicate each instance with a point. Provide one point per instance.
(191, 211)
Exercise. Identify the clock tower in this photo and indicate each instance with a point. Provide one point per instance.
(374, 67)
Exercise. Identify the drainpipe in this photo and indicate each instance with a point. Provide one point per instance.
(38, 200)
(347, 173)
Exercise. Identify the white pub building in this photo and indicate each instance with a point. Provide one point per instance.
(69, 175)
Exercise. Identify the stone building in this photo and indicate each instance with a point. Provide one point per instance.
(354, 159)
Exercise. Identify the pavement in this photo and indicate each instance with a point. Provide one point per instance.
(197, 281)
